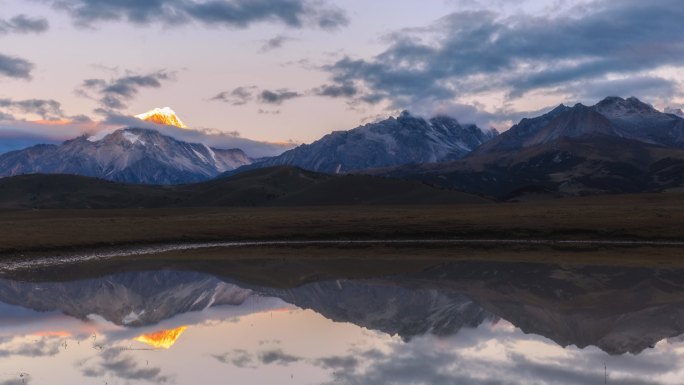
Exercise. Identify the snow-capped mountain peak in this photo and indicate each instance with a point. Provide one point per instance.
(406, 139)
(614, 106)
(165, 116)
(132, 155)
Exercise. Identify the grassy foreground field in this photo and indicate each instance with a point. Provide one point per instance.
(624, 217)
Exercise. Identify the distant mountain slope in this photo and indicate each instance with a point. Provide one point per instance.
(636, 120)
(55, 191)
(291, 186)
(613, 116)
(131, 155)
(278, 186)
(568, 167)
(404, 140)
(617, 146)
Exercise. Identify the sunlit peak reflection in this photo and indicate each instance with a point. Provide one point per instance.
(164, 339)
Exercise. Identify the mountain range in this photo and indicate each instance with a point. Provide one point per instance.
(628, 119)
(131, 155)
(406, 139)
(616, 146)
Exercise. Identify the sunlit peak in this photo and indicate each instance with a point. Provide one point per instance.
(162, 339)
(165, 116)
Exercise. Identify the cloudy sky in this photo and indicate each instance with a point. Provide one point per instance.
(279, 70)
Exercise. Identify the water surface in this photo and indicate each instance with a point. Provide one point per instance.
(464, 322)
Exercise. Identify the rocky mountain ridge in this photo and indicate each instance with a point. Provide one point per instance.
(406, 139)
(130, 155)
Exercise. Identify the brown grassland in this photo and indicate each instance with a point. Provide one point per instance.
(645, 217)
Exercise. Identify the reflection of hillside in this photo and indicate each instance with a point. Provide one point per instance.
(388, 307)
(132, 299)
(619, 310)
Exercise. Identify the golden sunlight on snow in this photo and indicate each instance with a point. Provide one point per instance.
(162, 339)
(165, 116)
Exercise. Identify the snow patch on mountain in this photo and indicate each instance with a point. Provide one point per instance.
(211, 153)
(132, 317)
(132, 138)
(202, 157)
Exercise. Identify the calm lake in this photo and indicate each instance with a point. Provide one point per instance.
(452, 323)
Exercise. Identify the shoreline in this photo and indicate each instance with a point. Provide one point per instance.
(610, 228)
(289, 264)
(152, 248)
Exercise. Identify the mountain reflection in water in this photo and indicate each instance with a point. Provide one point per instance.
(465, 322)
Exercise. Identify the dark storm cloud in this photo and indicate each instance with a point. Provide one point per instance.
(129, 369)
(228, 13)
(243, 359)
(238, 357)
(115, 93)
(23, 24)
(243, 12)
(116, 364)
(128, 86)
(46, 109)
(643, 86)
(648, 363)
(243, 95)
(469, 52)
(237, 97)
(277, 96)
(275, 43)
(347, 363)
(15, 67)
(277, 357)
(347, 90)
(416, 364)
(403, 366)
(570, 374)
(24, 380)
